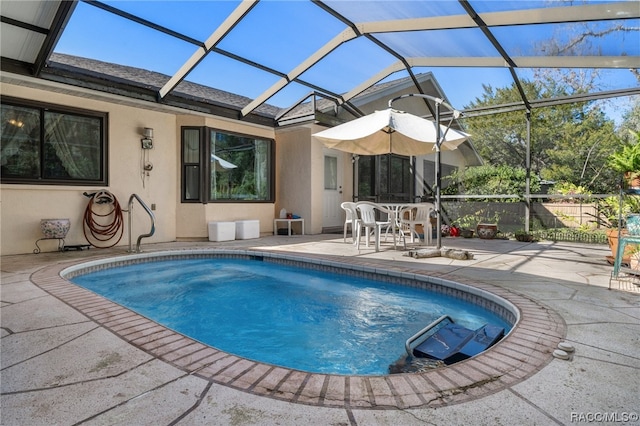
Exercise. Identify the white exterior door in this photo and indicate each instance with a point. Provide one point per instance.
(332, 214)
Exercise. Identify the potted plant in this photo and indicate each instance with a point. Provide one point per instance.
(466, 233)
(467, 225)
(626, 161)
(487, 224)
(454, 231)
(524, 236)
(613, 216)
(487, 231)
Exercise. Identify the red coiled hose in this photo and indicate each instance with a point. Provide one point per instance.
(103, 226)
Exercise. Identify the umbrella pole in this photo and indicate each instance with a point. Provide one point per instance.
(438, 182)
(456, 113)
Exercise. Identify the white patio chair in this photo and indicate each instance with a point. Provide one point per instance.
(369, 223)
(420, 214)
(351, 220)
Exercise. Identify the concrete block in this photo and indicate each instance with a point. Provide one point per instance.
(222, 231)
(247, 229)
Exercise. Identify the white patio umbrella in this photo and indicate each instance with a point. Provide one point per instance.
(390, 132)
(396, 132)
(221, 165)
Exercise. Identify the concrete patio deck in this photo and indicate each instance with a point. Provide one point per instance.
(61, 366)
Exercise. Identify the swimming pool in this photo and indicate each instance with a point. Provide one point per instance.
(316, 298)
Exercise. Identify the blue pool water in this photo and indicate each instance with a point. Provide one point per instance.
(293, 317)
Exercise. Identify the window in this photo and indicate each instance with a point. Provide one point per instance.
(330, 172)
(396, 178)
(385, 178)
(220, 166)
(191, 165)
(51, 144)
(446, 170)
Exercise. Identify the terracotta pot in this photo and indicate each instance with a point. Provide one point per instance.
(487, 231)
(612, 238)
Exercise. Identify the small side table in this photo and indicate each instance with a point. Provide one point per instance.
(288, 222)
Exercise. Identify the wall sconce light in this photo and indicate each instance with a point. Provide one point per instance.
(147, 141)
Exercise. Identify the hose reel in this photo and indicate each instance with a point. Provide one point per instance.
(103, 219)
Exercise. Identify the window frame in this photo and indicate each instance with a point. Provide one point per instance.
(44, 107)
(205, 167)
(183, 166)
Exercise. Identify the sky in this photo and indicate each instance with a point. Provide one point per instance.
(282, 34)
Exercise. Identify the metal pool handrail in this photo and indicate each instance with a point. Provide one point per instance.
(420, 333)
(151, 216)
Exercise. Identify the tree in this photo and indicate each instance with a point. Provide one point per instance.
(579, 155)
(571, 142)
(491, 180)
(630, 126)
(584, 38)
(499, 138)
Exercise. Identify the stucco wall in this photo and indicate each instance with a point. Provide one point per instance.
(294, 190)
(24, 205)
(193, 217)
(300, 175)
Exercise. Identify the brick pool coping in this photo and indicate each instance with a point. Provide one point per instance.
(521, 354)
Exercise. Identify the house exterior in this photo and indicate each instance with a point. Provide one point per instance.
(175, 172)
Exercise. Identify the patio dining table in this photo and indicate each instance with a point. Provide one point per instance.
(394, 210)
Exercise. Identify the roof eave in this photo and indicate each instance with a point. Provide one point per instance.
(115, 86)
